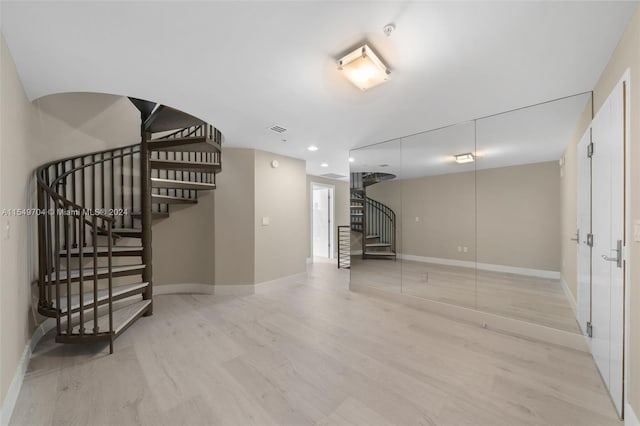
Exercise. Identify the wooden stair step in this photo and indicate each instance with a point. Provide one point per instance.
(193, 166)
(103, 251)
(127, 232)
(188, 144)
(377, 245)
(103, 272)
(372, 236)
(120, 292)
(356, 207)
(169, 199)
(357, 214)
(181, 184)
(122, 319)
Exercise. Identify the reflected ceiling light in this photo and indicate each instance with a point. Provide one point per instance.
(465, 158)
(351, 159)
(312, 148)
(363, 68)
(324, 165)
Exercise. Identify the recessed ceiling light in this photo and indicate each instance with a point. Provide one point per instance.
(324, 165)
(351, 159)
(363, 68)
(312, 148)
(465, 158)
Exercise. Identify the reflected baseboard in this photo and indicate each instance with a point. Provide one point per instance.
(540, 273)
(482, 319)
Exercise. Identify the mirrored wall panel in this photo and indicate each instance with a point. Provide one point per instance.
(480, 214)
(519, 177)
(437, 183)
(375, 216)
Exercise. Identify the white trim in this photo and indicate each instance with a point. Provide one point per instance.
(630, 418)
(234, 290)
(9, 403)
(569, 295)
(282, 281)
(540, 273)
(185, 288)
(484, 319)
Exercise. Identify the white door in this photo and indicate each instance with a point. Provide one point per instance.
(584, 228)
(608, 228)
(322, 220)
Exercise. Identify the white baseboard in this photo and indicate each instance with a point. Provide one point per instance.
(9, 403)
(234, 290)
(540, 273)
(630, 418)
(484, 319)
(185, 288)
(283, 281)
(569, 295)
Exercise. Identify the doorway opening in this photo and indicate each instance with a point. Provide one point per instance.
(322, 220)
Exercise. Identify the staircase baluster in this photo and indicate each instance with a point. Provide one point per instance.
(73, 199)
(68, 268)
(81, 271)
(112, 183)
(84, 201)
(57, 269)
(110, 283)
(122, 187)
(131, 187)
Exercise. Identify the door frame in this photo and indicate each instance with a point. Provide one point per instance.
(332, 218)
(626, 77)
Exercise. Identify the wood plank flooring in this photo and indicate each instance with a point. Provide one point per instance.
(537, 300)
(309, 353)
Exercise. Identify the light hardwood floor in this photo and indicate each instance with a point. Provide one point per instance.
(537, 300)
(309, 353)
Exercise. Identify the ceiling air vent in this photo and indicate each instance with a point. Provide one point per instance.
(333, 176)
(278, 129)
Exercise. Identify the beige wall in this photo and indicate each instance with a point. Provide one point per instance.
(627, 55)
(31, 134)
(341, 205)
(234, 218)
(569, 204)
(280, 194)
(518, 215)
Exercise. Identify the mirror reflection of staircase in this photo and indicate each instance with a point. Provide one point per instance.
(375, 221)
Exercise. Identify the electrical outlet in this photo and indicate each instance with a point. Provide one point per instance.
(465, 249)
(265, 221)
(417, 219)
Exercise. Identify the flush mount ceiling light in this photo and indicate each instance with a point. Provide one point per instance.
(324, 165)
(363, 68)
(465, 158)
(312, 148)
(351, 159)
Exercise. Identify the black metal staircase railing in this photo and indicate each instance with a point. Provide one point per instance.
(88, 202)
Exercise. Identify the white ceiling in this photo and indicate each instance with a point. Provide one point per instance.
(245, 66)
(530, 135)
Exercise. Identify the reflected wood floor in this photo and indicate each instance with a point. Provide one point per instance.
(532, 299)
(309, 353)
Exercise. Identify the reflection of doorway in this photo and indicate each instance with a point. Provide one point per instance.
(322, 219)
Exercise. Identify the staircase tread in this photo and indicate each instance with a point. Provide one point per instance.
(373, 236)
(88, 272)
(378, 245)
(126, 230)
(102, 295)
(122, 318)
(356, 214)
(166, 183)
(155, 198)
(380, 253)
(185, 144)
(101, 249)
(182, 162)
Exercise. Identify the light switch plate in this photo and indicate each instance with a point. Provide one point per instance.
(265, 221)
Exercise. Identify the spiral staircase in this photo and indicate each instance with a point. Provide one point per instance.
(374, 220)
(95, 214)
